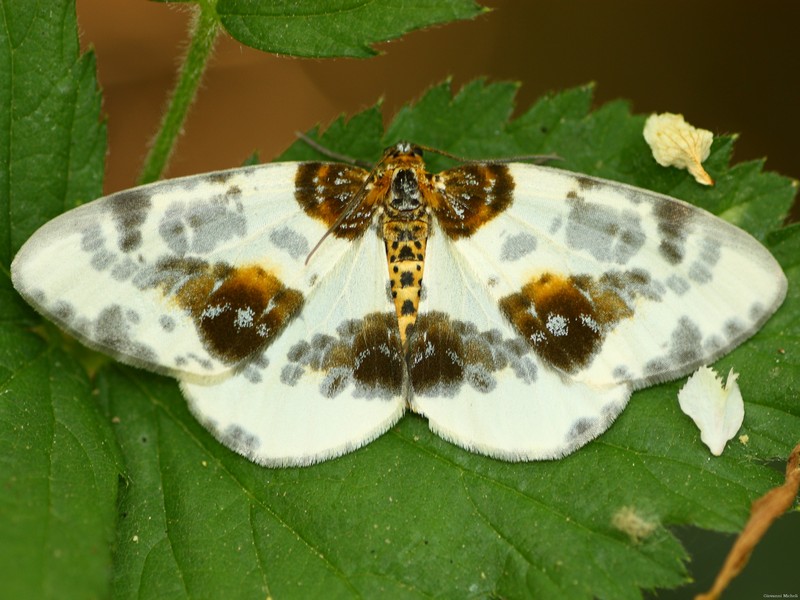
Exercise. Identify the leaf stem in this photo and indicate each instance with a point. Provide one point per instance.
(203, 35)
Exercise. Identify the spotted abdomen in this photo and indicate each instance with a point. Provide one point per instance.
(405, 254)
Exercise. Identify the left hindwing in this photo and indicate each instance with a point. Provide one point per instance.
(599, 288)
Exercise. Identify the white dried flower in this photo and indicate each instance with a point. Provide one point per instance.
(675, 143)
(717, 410)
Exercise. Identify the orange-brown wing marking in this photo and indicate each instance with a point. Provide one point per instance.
(238, 311)
(326, 190)
(468, 196)
(565, 319)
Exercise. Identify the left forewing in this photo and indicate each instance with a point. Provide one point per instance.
(191, 276)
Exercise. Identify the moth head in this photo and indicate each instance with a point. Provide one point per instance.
(402, 149)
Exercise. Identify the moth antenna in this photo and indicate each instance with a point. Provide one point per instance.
(332, 153)
(538, 159)
(351, 206)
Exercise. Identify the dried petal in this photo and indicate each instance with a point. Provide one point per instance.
(675, 143)
(717, 410)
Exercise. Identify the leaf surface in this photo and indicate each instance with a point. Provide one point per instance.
(328, 28)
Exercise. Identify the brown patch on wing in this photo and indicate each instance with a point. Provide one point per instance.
(466, 197)
(365, 352)
(445, 353)
(435, 355)
(326, 190)
(565, 319)
(238, 311)
(673, 219)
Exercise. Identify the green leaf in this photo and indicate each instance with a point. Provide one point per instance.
(409, 515)
(328, 28)
(59, 467)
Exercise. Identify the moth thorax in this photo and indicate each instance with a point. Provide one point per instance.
(405, 195)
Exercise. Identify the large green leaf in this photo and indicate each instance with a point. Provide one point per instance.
(111, 488)
(330, 28)
(59, 463)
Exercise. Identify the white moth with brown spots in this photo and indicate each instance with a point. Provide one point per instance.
(515, 306)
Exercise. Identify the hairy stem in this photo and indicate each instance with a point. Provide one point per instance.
(204, 33)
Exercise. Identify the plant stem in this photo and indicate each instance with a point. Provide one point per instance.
(204, 33)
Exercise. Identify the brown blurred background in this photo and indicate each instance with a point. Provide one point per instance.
(727, 66)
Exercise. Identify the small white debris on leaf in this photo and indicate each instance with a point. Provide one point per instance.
(675, 143)
(717, 410)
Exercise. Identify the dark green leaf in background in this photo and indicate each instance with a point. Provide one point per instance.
(110, 488)
(328, 28)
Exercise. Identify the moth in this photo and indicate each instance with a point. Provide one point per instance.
(305, 306)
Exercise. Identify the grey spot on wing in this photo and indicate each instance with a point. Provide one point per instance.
(201, 361)
(713, 344)
(586, 183)
(580, 427)
(586, 429)
(219, 177)
(63, 311)
(685, 344)
(291, 374)
(555, 225)
(112, 330)
(633, 284)
(290, 241)
(167, 323)
(101, 260)
(170, 273)
(673, 220)
(198, 227)
(686, 341)
(757, 312)
(699, 273)
(700, 270)
(621, 373)
(129, 210)
(252, 374)
(516, 246)
(710, 252)
(608, 234)
(734, 328)
(123, 269)
(677, 284)
(92, 238)
(240, 440)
